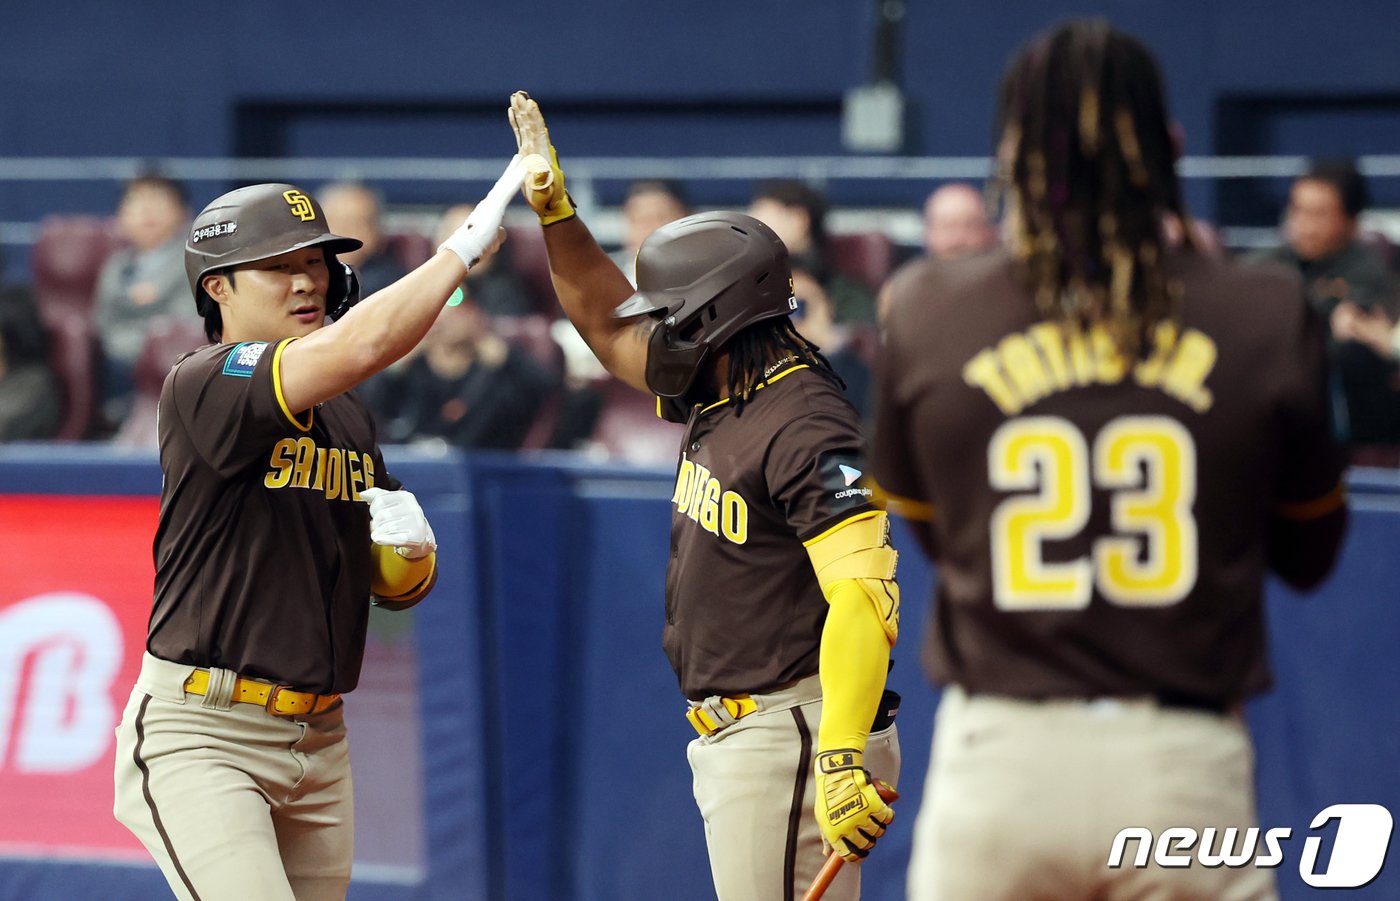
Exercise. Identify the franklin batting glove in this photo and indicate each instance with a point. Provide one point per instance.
(850, 812)
(396, 520)
(544, 187)
(481, 232)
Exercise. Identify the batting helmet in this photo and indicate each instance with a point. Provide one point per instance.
(706, 277)
(262, 221)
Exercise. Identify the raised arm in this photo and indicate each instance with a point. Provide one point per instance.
(389, 323)
(589, 284)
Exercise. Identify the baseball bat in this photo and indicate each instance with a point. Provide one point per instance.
(540, 175)
(833, 860)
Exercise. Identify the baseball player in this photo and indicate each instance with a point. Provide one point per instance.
(1112, 441)
(278, 523)
(781, 601)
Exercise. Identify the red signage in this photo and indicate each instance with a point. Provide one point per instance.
(75, 594)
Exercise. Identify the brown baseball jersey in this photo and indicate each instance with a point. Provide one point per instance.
(263, 550)
(744, 612)
(1100, 527)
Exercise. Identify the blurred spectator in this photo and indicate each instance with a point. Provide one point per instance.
(31, 397)
(813, 320)
(1372, 328)
(353, 209)
(650, 204)
(580, 402)
(797, 212)
(956, 223)
(1320, 231)
(141, 281)
(467, 386)
(494, 287)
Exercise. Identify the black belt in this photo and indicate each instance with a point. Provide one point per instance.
(1169, 700)
(1166, 700)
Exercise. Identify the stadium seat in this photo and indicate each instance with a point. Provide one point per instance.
(167, 338)
(411, 249)
(524, 250)
(867, 257)
(542, 429)
(629, 429)
(64, 264)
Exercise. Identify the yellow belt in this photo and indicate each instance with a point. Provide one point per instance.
(738, 708)
(278, 699)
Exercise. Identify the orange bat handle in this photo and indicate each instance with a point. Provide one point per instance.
(833, 860)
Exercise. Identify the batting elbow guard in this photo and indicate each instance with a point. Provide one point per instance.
(397, 582)
(859, 550)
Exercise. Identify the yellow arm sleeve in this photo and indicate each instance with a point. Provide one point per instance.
(399, 580)
(858, 549)
(855, 567)
(855, 656)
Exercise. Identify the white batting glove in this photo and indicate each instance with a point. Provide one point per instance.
(396, 520)
(475, 237)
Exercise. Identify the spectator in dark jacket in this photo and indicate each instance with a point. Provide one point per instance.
(1344, 278)
(466, 386)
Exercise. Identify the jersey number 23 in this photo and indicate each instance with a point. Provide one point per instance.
(1146, 463)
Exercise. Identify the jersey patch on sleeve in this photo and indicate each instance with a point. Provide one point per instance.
(243, 358)
(842, 474)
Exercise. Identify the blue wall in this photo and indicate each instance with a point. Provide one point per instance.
(552, 735)
(82, 78)
(417, 78)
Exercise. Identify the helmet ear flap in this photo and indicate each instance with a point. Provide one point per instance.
(344, 290)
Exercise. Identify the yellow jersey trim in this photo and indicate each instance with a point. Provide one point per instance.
(841, 525)
(786, 372)
(906, 508)
(903, 507)
(720, 403)
(1318, 507)
(277, 388)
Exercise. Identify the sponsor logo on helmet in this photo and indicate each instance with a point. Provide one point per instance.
(213, 231)
(300, 204)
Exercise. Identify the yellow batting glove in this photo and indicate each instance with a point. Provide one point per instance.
(544, 183)
(850, 812)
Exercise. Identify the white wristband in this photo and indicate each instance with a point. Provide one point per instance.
(476, 235)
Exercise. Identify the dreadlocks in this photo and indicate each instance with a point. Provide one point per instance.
(760, 349)
(1088, 161)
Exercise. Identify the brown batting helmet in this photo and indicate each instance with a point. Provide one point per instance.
(255, 223)
(706, 277)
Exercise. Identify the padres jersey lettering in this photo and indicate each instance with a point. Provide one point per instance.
(1025, 367)
(336, 471)
(232, 453)
(1102, 527)
(749, 490)
(702, 498)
